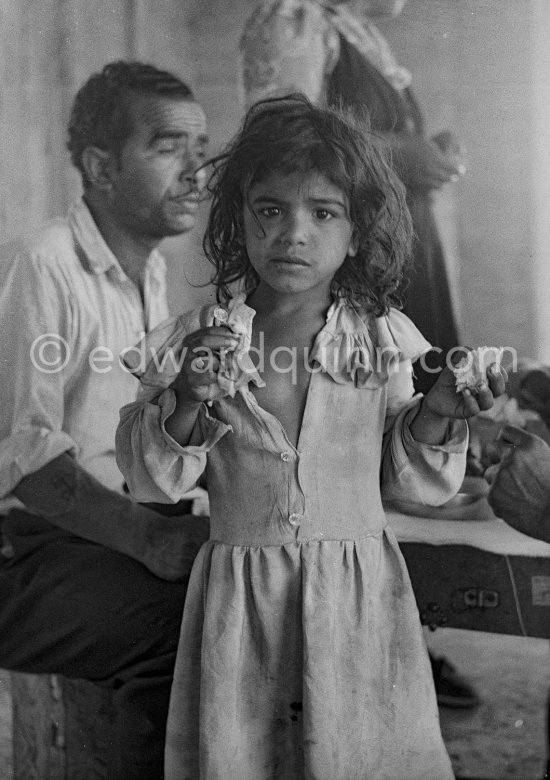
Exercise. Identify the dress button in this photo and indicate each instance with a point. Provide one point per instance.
(295, 519)
(286, 456)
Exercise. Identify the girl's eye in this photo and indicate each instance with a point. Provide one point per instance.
(323, 215)
(270, 211)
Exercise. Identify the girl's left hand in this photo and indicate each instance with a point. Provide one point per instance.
(443, 400)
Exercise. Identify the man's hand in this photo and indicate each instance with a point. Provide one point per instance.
(171, 544)
(70, 498)
(520, 483)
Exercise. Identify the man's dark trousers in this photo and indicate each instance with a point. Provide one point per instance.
(75, 608)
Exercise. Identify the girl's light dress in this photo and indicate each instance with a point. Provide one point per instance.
(301, 653)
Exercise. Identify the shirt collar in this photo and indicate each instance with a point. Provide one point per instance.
(97, 255)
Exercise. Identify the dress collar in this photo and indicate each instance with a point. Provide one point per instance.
(352, 347)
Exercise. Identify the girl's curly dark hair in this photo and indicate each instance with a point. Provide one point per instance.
(288, 135)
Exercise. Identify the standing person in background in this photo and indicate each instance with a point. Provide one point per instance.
(92, 584)
(332, 52)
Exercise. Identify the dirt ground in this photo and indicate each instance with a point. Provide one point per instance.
(503, 739)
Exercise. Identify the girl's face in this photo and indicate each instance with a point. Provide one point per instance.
(297, 232)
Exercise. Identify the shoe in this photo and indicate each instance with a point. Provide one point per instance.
(451, 689)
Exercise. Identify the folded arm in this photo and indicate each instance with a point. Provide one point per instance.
(72, 499)
(287, 46)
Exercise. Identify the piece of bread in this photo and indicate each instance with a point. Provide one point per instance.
(471, 370)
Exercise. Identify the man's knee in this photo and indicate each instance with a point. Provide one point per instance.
(82, 610)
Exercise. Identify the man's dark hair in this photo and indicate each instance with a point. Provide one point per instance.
(100, 114)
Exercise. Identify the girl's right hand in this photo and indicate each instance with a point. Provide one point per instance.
(198, 378)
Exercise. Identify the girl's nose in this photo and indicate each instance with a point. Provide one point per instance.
(295, 230)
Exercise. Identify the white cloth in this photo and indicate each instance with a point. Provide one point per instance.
(64, 281)
(491, 534)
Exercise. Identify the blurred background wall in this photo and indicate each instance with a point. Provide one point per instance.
(480, 67)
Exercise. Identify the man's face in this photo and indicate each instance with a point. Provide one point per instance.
(155, 191)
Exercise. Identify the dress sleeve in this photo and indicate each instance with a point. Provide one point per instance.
(156, 468)
(413, 471)
(401, 340)
(35, 355)
(287, 46)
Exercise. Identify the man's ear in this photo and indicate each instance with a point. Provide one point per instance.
(98, 165)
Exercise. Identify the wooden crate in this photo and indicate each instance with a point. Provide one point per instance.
(458, 586)
(61, 728)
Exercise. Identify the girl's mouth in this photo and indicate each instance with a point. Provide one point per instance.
(290, 261)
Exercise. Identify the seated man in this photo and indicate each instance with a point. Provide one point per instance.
(520, 474)
(92, 585)
(520, 483)
(520, 487)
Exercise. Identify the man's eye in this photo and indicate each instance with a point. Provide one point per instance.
(166, 149)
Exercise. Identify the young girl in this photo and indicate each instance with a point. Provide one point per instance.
(301, 651)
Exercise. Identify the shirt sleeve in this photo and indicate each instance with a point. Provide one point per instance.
(287, 46)
(155, 466)
(34, 353)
